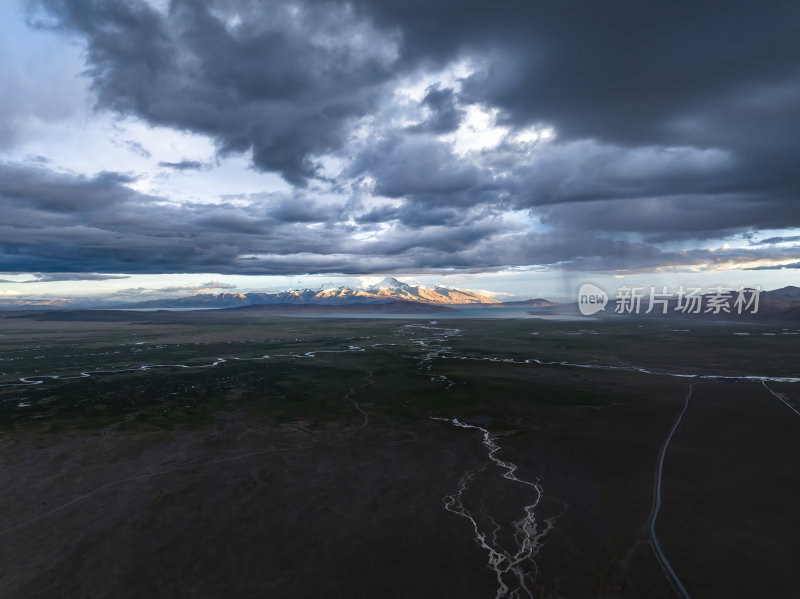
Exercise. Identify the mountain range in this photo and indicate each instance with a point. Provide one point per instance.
(392, 296)
(387, 290)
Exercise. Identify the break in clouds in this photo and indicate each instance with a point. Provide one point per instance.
(410, 137)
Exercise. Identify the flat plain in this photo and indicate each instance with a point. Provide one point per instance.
(212, 454)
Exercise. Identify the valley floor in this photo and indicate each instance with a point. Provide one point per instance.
(208, 456)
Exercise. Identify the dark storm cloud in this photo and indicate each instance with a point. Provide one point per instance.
(41, 277)
(138, 233)
(678, 217)
(405, 166)
(301, 209)
(708, 80)
(585, 171)
(769, 240)
(45, 189)
(141, 233)
(279, 79)
(445, 115)
(378, 214)
(286, 76)
(664, 193)
(98, 224)
(421, 214)
(673, 121)
(781, 267)
(183, 165)
(135, 147)
(628, 72)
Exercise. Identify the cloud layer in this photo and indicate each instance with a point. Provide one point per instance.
(423, 138)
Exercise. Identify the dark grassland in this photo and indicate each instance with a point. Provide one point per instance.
(257, 477)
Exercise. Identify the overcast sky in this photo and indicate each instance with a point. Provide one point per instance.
(519, 147)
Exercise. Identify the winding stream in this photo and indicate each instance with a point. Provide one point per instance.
(515, 569)
(517, 563)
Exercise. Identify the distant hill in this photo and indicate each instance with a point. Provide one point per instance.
(392, 307)
(781, 303)
(35, 304)
(165, 315)
(784, 293)
(530, 303)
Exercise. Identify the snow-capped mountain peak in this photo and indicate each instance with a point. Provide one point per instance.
(388, 283)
